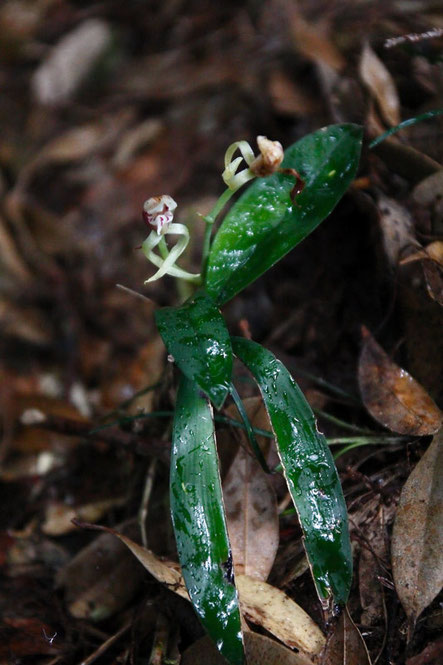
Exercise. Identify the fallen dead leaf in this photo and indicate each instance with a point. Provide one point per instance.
(397, 228)
(346, 646)
(259, 649)
(434, 281)
(417, 539)
(272, 609)
(102, 578)
(260, 602)
(251, 505)
(69, 62)
(392, 396)
(381, 85)
(372, 563)
(59, 516)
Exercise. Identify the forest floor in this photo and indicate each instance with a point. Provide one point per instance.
(105, 104)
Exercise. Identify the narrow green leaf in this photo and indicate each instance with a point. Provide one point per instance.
(264, 224)
(196, 336)
(309, 470)
(199, 522)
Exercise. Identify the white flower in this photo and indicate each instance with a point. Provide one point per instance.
(158, 212)
(267, 162)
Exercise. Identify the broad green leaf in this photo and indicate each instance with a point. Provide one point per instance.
(264, 224)
(199, 522)
(309, 470)
(196, 336)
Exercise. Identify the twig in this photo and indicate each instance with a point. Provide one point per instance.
(105, 646)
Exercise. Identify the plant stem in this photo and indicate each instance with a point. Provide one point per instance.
(341, 423)
(249, 429)
(209, 222)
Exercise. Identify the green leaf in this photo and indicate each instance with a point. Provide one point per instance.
(264, 224)
(196, 336)
(309, 470)
(199, 522)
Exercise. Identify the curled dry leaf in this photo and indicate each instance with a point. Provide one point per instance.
(259, 649)
(271, 608)
(378, 80)
(392, 396)
(346, 646)
(417, 539)
(251, 506)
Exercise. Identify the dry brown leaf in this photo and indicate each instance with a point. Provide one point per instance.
(433, 251)
(10, 260)
(434, 281)
(392, 396)
(417, 539)
(59, 516)
(251, 506)
(271, 608)
(397, 228)
(379, 81)
(372, 563)
(163, 571)
(311, 40)
(346, 646)
(70, 61)
(102, 578)
(259, 649)
(288, 97)
(260, 602)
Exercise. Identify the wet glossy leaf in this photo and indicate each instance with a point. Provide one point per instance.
(417, 539)
(251, 505)
(196, 336)
(264, 224)
(392, 396)
(346, 646)
(267, 606)
(260, 650)
(309, 470)
(199, 522)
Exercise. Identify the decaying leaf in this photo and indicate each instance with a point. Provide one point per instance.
(346, 646)
(260, 602)
(271, 608)
(397, 228)
(69, 62)
(379, 81)
(102, 578)
(392, 396)
(251, 506)
(163, 571)
(417, 539)
(59, 516)
(372, 563)
(259, 649)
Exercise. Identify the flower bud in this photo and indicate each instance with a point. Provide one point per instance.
(270, 158)
(158, 212)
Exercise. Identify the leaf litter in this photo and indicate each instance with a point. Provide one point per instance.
(80, 152)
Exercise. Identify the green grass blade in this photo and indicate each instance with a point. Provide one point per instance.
(199, 522)
(309, 471)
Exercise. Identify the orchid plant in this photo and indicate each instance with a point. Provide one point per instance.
(276, 212)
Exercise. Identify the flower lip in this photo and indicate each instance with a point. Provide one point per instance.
(158, 212)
